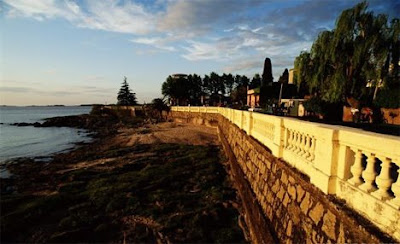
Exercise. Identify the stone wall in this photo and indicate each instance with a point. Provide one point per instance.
(278, 200)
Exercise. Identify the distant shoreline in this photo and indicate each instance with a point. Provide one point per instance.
(54, 105)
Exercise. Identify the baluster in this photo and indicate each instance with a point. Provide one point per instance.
(298, 139)
(396, 190)
(312, 149)
(369, 175)
(307, 147)
(289, 138)
(383, 181)
(295, 139)
(298, 142)
(294, 143)
(356, 169)
(302, 144)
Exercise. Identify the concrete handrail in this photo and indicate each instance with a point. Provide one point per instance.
(315, 144)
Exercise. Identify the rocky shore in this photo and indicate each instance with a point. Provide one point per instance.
(136, 182)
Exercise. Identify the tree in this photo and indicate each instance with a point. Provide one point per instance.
(195, 89)
(352, 60)
(284, 78)
(389, 95)
(255, 82)
(239, 93)
(159, 105)
(176, 89)
(267, 72)
(267, 81)
(228, 81)
(216, 84)
(241, 80)
(125, 96)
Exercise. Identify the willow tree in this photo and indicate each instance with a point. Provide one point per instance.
(303, 66)
(354, 55)
(389, 96)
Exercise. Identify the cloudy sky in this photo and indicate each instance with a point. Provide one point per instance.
(78, 51)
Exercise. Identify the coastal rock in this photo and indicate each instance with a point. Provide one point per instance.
(36, 124)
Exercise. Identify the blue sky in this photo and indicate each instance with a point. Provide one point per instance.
(75, 52)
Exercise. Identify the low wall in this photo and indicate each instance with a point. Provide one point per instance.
(292, 206)
(123, 110)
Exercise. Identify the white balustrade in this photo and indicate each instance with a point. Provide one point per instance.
(300, 143)
(367, 179)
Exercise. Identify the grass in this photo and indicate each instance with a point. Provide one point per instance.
(180, 195)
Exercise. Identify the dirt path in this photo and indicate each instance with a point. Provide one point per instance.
(170, 133)
(167, 132)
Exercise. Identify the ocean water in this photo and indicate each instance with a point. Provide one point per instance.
(29, 141)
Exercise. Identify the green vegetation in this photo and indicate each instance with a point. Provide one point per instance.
(125, 96)
(158, 106)
(218, 89)
(180, 193)
(359, 58)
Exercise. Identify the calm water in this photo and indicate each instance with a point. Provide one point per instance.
(30, 141)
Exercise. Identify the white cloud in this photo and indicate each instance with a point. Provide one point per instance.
(251, 42)
(156, 42)
(281, 57)
(108, 15)
(222, 50)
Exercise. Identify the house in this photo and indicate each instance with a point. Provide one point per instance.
(253, 98)
(294, 107)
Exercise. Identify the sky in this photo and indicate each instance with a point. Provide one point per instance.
(78, 51)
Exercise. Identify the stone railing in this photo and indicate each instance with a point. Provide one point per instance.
(357, 166)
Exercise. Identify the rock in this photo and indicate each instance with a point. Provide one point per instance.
(329, 225)
(305, 203)
(22, 124)
(316, 213)
(300, 193)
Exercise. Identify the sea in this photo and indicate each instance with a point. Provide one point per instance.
(38, 142)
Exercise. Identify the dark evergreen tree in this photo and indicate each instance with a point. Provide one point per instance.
(266, 82)
(267, 77)
(125, 96)
(284, 78)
